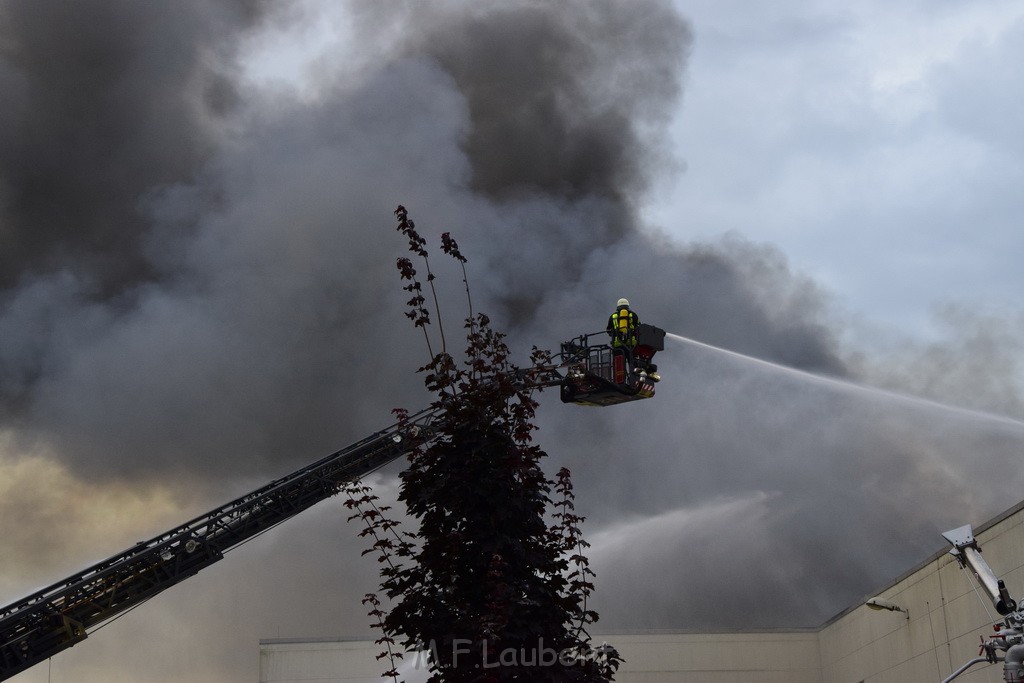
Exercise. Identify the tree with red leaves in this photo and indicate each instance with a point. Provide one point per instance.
(494, 584)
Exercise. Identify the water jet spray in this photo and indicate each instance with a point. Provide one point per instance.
(847, 385)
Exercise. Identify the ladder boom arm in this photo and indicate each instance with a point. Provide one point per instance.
(55, 618)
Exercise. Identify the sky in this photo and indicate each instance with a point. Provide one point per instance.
(197, 289)
(875, 144)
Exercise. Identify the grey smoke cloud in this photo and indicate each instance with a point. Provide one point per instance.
(557, 100)
(260, 323)
(842, 491)
(103, 102)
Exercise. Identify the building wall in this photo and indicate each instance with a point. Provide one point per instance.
(769, 657)
(860, 645)
(947, 616)
(325, 661)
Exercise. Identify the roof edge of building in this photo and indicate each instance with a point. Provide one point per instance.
(981, 528)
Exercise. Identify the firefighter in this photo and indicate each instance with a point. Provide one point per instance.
(622, 326)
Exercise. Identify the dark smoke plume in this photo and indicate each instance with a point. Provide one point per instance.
(199, 295)
(105, 102)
